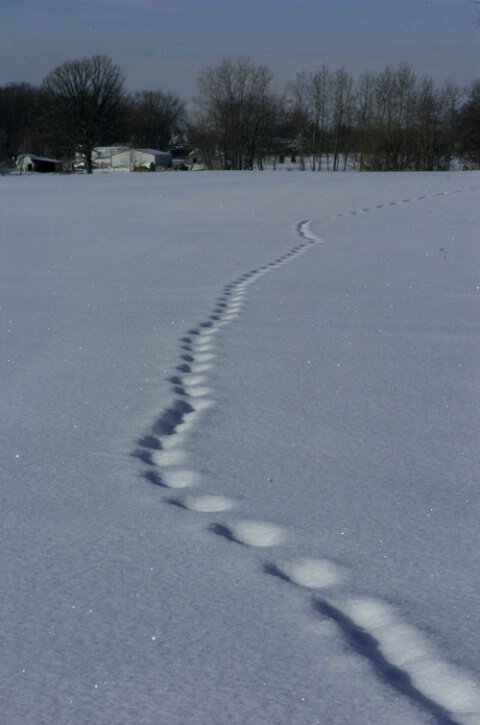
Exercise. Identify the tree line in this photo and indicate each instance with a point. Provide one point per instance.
(325, 119)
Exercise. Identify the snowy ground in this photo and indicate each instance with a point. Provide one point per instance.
(240, 418)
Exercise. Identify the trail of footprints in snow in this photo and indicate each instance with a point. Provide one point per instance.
(398, 652)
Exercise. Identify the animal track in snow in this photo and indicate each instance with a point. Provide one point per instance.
(404, 659)
(251, 533)
(399, 653)
(353, 212)
(180, 478)
(206, 503)
(168, 457)
(163, 448)
(310, 573)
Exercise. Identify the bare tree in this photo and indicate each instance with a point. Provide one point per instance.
(154, 117)
(299, 112)
(428, 125)
(84, 104)
(403, 106)
(395, 99)
(469, 125)
(235, 104)
(202, 139)
(19, 128)
(450, 98)
(364, 106)
(320, 93)
(383, 93)
(342, 96)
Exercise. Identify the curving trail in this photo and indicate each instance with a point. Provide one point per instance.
(398, 653)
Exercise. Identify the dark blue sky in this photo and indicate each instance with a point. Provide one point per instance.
(165, 43)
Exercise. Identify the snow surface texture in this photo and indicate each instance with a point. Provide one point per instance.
(295, 537)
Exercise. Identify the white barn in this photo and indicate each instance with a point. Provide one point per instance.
(131, 158)
(40, 164)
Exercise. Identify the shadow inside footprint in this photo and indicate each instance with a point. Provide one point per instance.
(172, 417)
(150, 442)
(223, 531)
(369, 647)
(175, 379)
(143, 455)
(176, 502)
(154, 477)
(273, 570)
(178, 390)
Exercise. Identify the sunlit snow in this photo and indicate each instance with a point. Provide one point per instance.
(240, 418)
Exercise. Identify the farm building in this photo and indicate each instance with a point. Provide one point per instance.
(40, 164)
(115, 157)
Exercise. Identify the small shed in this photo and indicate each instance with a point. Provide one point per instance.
(40, 164)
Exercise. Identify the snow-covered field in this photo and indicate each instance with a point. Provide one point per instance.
(240, 418)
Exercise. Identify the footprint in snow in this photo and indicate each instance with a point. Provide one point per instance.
(197, 391)
(200, 368)
(192, 380)
(206, 503)
(168, 457)
(180, 478)
(310, 573)
(251, 533)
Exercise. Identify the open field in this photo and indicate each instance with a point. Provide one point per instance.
(240, 418)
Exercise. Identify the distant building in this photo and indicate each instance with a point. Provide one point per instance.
(122, 157)
(31, 162)
(201, 160)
